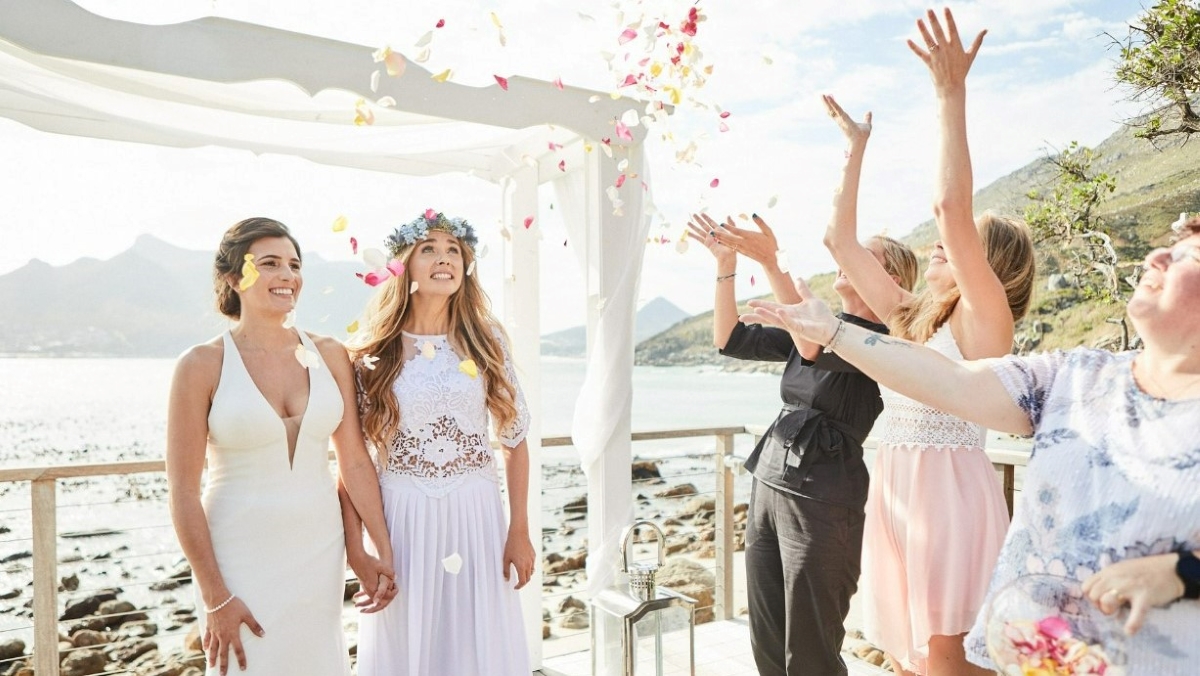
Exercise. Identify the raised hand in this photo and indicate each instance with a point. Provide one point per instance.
(703, 229)
(943, 54)
(856, 132)
(809, 320)
(761, 246)
(222, 632)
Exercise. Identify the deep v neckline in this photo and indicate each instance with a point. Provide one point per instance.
(283, 420)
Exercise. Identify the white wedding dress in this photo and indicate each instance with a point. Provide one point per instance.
(276, 525)
(455, 613)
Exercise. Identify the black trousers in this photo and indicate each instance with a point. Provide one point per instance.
(802, 567)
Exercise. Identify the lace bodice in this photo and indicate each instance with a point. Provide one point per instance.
(911, 422)
(443, 433)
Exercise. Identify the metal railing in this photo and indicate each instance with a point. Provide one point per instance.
(44, 481)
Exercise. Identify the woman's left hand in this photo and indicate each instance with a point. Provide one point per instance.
(377, 579)
(809, 320)
(948, 62)
(519, 554)
(1140, 583)
(760, 247)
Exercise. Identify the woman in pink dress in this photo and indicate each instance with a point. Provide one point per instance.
(936, 516)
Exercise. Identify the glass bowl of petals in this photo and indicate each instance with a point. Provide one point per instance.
(1042, 625)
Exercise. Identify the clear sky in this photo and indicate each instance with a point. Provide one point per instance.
(1042, 79)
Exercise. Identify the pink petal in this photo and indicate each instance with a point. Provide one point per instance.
(714, 183)
(377, 277)
(623, 132)
(1055, 627)
(440, 23)
(644, 61)
(558, 82)
(621, 180)
(396, 267)
(723, 127)
(627, 35)
(554, 146)
(430, 214)
(503, 81)
(724, 114)
(562, 165)
(353, 245)
(359, 275)
(629, 80)
(528, 221)
(751, 280)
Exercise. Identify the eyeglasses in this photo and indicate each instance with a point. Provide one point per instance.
(1181, 251)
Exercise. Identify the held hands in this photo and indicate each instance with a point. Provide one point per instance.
(1140, 583)
(377, 579)
(223, 631)
(519, 554)
(948, 62)
(856, 133)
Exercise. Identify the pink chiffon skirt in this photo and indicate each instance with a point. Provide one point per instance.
(936, 519)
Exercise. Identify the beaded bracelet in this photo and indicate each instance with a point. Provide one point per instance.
(728, 276)
(222, 604)
(831, 346)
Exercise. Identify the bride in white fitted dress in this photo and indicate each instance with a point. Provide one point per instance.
(260, 404)
(434, 364)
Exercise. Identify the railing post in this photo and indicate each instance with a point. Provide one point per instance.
(723, 538)
(45, 576)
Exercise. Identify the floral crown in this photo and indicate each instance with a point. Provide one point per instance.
(418, 229)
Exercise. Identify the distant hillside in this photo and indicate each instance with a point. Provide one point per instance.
(1154, 184)
(153, 300)
(655, 317)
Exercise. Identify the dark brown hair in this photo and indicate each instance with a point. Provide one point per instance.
(227, 266)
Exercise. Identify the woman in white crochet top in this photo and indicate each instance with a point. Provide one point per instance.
(433, 364)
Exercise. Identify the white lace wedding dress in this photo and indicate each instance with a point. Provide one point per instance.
(455, 613)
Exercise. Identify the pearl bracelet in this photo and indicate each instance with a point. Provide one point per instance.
(831, 346)
(222, 604)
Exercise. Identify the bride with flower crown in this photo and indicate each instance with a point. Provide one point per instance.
(433, 364)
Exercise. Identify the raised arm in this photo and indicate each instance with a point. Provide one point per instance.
(702, 228)
(969, 390)
(986, 325)
(878, 289)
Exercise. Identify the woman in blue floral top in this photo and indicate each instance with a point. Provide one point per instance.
(1110, 496)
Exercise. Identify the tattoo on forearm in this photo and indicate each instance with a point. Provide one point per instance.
(874, 338)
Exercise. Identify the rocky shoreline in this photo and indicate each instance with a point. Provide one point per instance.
(148, 625)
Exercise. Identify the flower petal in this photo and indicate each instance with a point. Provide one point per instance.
(249, 273)
(376, 277)
(773, 201)
(627, 35)
(562, 165)
(781, 259)
(375, 81)
(442, 76)
(623, 132)
(620, 180)
(502, 81)
(395, 266)
(440, 23)
(558, 83)
(714, 183)
(424, 39)
(395, 64)
(368, 362)
(374, 258)
(468, 367)
(528, 221)
(412, 288)
(428, 350)
(353, 327)
(307, 358)
(452, 563)
(471, 268)
(339, 223)
(289, 320)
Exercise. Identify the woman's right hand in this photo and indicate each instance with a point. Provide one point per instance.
(223, 631)
(856, 133)
(809, 320)
(948, 62)
(377, 581)
(703, 229)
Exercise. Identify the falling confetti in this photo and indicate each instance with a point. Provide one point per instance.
(368, 362)
(412, 289)
(307, 358)
(714, 183)
(751, 280)
(773, 201)
(440, 23)
(393, 61)
(502, 81)
(249, 273)
(339, 223)
(620, 180)
(428, 350)
(396, 267)
(623, 132)
(354, 245)
(528, 221)
(562, 165)
(558, 83)
(362, 114)
(386, 102)
(353, 327)
(452, 563)
(627, 35)
(376, 277)
(499, 28)
(468, 367)
(289, 320)
(442, 76)
(471, 269)
(375, 81)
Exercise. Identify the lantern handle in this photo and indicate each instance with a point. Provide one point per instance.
(626, 536)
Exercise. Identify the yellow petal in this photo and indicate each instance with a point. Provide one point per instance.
(496, 20)
(249, 273)
(442, 76)
(339, 223)
(468, 367)
(353, 327)
(428, 351)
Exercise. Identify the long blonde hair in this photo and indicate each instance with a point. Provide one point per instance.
(899, 260)
(473, 330)
(1009, 250)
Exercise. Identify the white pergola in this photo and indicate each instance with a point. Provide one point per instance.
(237, 85)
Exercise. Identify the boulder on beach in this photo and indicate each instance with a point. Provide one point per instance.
(677, 491)
(11, 649)
(645, 469)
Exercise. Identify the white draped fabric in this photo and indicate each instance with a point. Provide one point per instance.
(225, 83)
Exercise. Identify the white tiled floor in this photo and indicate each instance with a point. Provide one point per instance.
(722, 649)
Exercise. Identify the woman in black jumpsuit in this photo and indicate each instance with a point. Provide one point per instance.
(804, 534)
